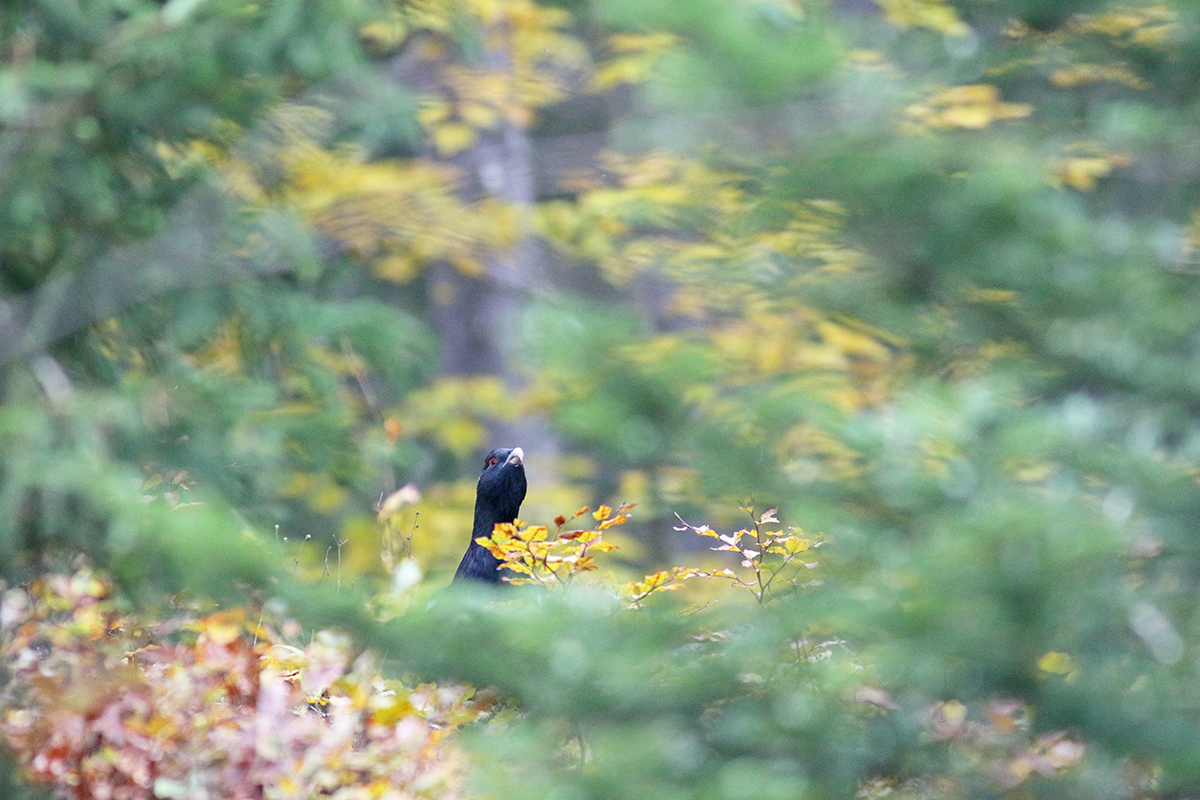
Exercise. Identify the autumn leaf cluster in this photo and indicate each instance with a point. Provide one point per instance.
(213, 706)
(537, 557)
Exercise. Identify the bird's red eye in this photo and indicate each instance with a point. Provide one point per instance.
(491, 462)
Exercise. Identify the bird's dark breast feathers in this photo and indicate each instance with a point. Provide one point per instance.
(479, 564)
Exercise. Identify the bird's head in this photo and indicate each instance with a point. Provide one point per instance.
(502, 482)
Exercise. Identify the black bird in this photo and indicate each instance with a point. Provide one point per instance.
(498, 498)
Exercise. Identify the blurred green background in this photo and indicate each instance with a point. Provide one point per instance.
(921, 274)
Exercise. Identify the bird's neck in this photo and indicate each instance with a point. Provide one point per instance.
(478, 562)
(486, 517)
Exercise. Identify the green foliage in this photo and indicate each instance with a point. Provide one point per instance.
(164, 343)
(737, 52)
(92, 89)
(924, 279)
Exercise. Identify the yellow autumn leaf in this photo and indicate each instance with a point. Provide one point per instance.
(971, 107)
(650, 581)
(224, 627)
(396, 267)
(636, 57)
(932, 14)
(1150, 24)
(795, 544)
(954, 712)
(1081, 173)
(385, 34)
(479, 115)
(617, 520)
(1084, 172)
(642, 42)
(451, 138)
(981, 294)
(853, 342)
(1056, 663)
(1081, 74)
(1157, 36)
(661, 581)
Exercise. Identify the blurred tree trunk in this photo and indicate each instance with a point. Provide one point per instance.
(479, 319)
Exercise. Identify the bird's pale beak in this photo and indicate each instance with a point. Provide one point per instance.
(516, 457)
